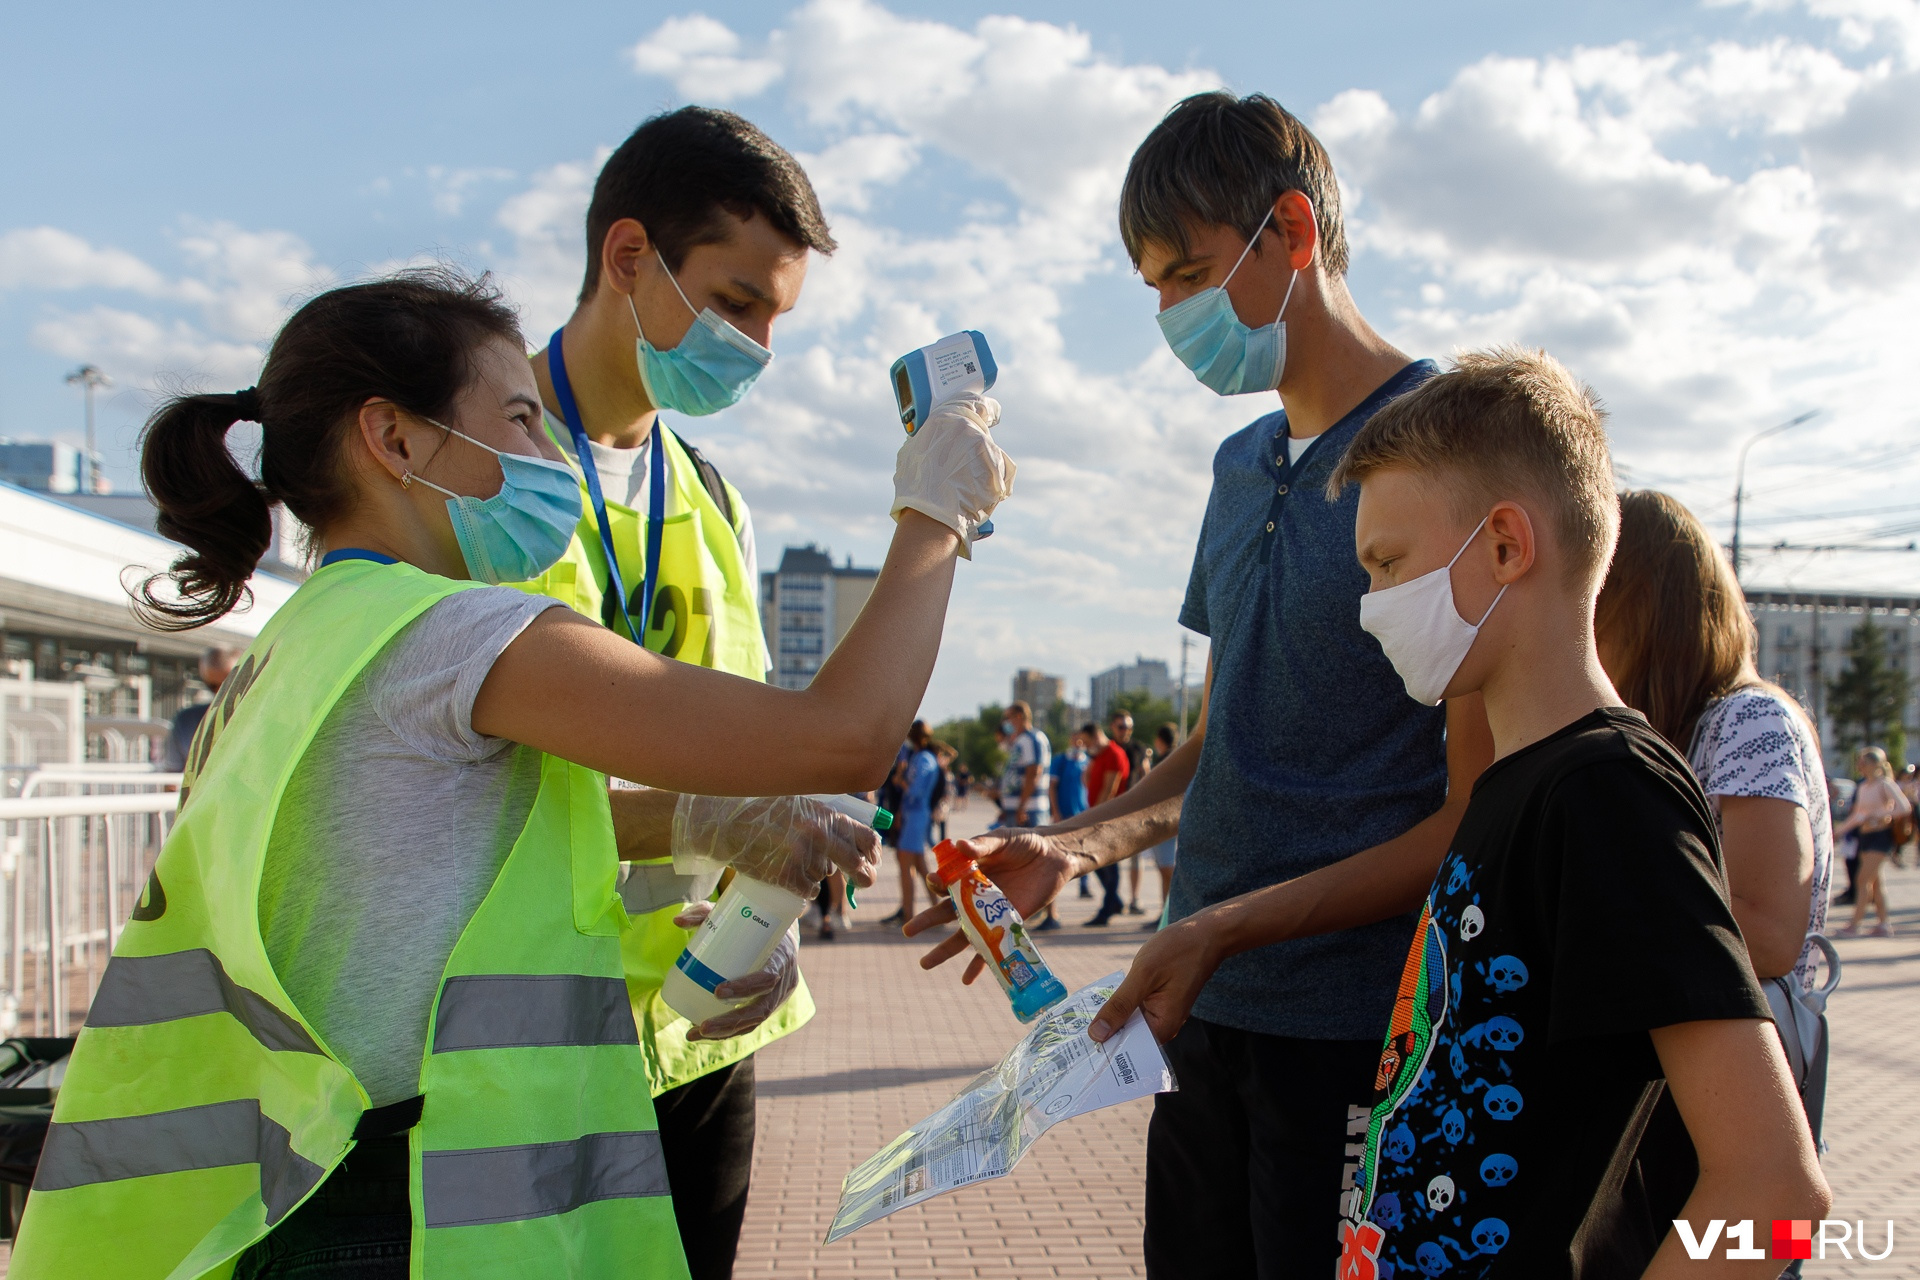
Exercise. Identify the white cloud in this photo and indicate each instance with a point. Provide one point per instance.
(49, 258)
(548, 224)
(1708, 236)
(1716, 237)
(1027, 102)
(1600, 204)
(1041, 127)
(702, 58)
(845, 174)
(1859, 24)
(205, 327)
(246, 282)
(451, 187)
(154, 353)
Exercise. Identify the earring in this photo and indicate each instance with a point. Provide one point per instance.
(406, 481)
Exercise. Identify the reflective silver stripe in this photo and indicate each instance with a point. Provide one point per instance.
(80, 1153)
(654, 886)
(137, 991)
(511, 1184)
(517, 1010)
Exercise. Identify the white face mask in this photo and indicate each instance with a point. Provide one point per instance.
(1424, 636)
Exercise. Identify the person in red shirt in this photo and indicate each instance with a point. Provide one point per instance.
(1108, 770)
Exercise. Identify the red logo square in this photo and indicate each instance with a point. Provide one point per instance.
(1360, 1251)
(1792, 1238)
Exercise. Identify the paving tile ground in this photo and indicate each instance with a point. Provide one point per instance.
(891, 1043)
(1873, 1104)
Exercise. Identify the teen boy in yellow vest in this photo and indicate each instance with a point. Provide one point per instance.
(697, 240)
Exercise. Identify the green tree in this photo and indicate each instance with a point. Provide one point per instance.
(977, 741)
(1058, 726)
(1868, 697)
(1148, 713)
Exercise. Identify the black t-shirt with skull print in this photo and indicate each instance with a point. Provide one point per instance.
(1582, 905)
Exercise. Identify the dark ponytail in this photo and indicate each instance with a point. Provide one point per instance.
(206, 501)
(409, 338)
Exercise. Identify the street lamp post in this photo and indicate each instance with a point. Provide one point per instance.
(88, 377)
(1740, 479)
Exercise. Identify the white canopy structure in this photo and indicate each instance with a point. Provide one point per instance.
(66, 571)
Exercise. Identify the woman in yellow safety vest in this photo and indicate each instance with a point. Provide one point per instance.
(369, 1018)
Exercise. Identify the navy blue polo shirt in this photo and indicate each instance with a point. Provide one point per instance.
(1313, 751)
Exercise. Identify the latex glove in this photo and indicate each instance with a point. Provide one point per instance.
(950, 470)
(789, 841)
(765, 991)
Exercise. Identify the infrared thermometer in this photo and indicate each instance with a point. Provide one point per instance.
(923, 380)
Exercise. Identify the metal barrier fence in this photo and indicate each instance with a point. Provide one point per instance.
(76, 847)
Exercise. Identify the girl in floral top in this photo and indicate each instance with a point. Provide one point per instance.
(1675, 637)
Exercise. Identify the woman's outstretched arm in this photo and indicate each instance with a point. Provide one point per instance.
(574, 689)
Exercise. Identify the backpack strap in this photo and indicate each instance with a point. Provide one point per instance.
(710, 479)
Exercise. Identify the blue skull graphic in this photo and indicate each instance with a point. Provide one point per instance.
(1489, 1235)
(1504, 1034)
(1507, 973)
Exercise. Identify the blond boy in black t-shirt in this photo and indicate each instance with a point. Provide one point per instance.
(1576, 955)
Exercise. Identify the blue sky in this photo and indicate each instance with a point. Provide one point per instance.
(1709, 211)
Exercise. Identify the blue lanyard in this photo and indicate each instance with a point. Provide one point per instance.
(656, 492)
(355, 553)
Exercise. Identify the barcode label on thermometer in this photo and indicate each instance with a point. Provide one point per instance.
(953, 365)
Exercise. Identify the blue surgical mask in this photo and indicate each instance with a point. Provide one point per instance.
(519, 532)
(1229, 358)
(711, 368)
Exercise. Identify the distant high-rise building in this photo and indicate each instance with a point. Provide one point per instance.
(806, 607)
(1803, 639)
(1038, 690)
(43, 465)
(1148, 675)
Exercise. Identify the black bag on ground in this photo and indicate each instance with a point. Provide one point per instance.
(29, 1068)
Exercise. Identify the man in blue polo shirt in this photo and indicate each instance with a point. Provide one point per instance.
(1309, 757)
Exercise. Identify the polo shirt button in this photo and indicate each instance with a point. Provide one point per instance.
(1283, 489)
(1269, 526)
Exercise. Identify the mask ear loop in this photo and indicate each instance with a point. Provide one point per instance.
(1456, 557)
(676, 288)
(406, 481)
(1292, 280)
(1257, 233)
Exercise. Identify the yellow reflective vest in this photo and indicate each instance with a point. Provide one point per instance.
(706, 611)
(201, 1108)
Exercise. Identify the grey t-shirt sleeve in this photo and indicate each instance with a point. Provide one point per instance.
(1193, 611)
(424, 687)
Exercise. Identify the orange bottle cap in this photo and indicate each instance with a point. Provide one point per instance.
(952, 865)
